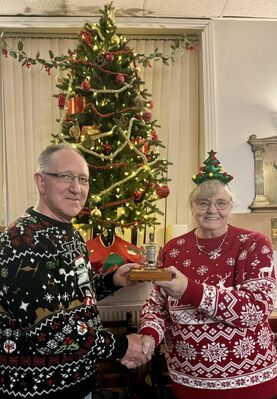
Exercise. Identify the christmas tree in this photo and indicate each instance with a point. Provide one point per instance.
(108, 117)
(106, 114)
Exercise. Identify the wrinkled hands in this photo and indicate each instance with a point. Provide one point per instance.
(140, 350)
(175, 287)
(121, 277)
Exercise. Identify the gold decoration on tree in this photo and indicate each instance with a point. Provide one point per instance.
(96, 213)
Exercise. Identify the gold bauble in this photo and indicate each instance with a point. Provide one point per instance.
(96, 213)
(115, 39)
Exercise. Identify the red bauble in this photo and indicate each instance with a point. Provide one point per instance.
(61, 100)
(107, 148)
(162, 191)
(109, 57)
(119, 78)
(137, 195)
(85, 85)
(151, 104)
(147, 116)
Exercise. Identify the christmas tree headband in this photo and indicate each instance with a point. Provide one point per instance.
(211, 169)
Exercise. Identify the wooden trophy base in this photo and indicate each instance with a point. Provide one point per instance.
(150, 275)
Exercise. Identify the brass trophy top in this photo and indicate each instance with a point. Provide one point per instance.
(150, 261)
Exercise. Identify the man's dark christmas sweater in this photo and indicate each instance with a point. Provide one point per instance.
(51, 336)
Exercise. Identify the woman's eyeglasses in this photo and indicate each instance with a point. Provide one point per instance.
(220, 204)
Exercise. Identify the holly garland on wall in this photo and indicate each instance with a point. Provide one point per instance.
(107, 115)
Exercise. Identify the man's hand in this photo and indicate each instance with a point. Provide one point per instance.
(121, 277)
(175, 287)
(137, 353)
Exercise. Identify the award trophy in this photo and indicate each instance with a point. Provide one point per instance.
(150, 262)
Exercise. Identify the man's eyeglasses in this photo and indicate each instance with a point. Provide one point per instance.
(220, 204)
(67, 178)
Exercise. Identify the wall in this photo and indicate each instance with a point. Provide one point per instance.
(245, 75)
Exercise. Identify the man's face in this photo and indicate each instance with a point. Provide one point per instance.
(58, 198)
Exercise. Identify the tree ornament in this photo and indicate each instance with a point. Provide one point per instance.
(75, 132)
(155, 150)
(119, 78)
(87, 38)
(211, 170)
(96, 213)
(147, 116)
(76, 105)
(137, 196)
(59, 78)
(109, 57)
(154, 135)
(151, 104)
(107, 148)
(61, 100)
(162, 191)
(111, 13)
(90, 130)
(115, 40)
(139, 101)
(120, 211)
(85, 85)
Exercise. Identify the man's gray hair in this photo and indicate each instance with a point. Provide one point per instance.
(45, 156)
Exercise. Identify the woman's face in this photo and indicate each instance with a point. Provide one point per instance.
(212, 213)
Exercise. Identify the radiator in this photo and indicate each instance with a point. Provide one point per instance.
(119, 311)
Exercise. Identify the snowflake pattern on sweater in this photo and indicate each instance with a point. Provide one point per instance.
(217, 336)
(50, 331)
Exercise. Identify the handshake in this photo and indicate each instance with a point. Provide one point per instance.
(140, 350)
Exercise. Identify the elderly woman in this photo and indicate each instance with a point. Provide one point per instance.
(213, 315)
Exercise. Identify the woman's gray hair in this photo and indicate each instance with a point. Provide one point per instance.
(44, 158)
(208, 189)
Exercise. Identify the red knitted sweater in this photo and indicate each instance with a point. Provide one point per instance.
(217, 337)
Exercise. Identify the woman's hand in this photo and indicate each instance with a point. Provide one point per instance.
(175, 287)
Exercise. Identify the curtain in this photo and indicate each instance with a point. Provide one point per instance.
(29, 113)
(2, 158)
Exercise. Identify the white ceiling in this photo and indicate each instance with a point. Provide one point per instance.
(266, 9)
